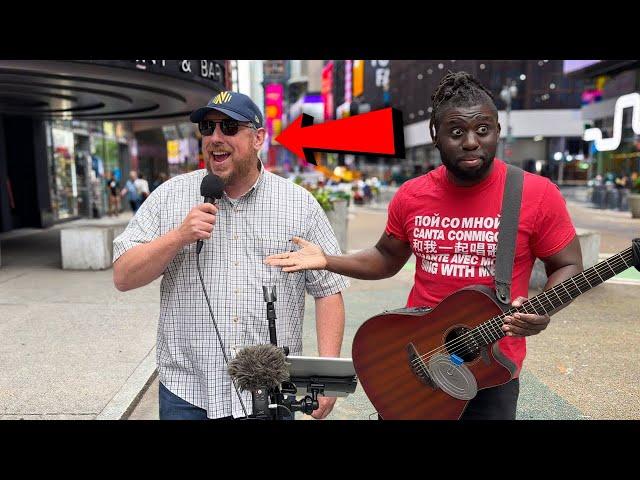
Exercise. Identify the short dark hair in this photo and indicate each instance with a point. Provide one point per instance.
(458, 89)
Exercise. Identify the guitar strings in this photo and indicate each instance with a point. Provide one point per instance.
(497, 321)
(459, 340)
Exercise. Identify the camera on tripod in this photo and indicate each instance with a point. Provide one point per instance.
(274, 378)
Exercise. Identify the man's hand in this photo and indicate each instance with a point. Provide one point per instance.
(326, 405)
(524, 324)
(309, 257)
(198, 224)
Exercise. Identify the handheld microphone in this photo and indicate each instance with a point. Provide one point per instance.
(259, 369)
(211, 189)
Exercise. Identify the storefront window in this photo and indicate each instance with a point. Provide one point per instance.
(65, 187)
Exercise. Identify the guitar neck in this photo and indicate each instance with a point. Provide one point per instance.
(559, 295)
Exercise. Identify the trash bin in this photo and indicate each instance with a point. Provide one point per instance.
(624, 199)
(599, 196)
(613, 197)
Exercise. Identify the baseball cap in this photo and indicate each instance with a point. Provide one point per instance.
(234, 104)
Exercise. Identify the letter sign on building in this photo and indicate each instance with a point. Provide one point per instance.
(631, 100)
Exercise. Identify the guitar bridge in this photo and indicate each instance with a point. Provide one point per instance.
(419, 367)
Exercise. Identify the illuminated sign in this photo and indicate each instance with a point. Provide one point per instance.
(173, 151)
(274, 98)
(327, 90)
(358, 77)
(631, 100)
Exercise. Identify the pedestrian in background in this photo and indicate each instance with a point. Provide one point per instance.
(114, 198)
(142, 187)
(162, 177)
(131, 191)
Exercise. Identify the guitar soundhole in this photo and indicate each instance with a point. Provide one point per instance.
(462, 343)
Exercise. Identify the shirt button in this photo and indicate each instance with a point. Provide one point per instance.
(235, 320)
(237, 290)
(235, 264)
(235, 237)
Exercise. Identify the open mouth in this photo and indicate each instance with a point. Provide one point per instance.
(219, 157)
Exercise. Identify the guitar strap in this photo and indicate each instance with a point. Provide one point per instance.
(507, 232)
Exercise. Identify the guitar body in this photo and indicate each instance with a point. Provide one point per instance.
(381, 356)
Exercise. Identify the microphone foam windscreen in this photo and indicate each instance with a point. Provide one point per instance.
(259, 366)
(212, 186)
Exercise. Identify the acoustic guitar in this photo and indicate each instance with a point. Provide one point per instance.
(428, 364)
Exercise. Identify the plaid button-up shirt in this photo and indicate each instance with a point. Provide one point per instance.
(260, 223)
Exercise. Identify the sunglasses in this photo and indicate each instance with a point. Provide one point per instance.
(229, 127)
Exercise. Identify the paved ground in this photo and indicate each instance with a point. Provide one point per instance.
(584, 366)
(69, 341)
(73, 347)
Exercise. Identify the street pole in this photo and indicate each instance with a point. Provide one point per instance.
(508, 93)
(507, 153)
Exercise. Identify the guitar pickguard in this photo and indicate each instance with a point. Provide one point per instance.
(440, 372)
(456, 380)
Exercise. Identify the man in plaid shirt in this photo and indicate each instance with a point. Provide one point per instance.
(257, 216)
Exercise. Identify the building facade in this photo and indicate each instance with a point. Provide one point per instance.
(611, 114)
(538, 110)
(65, 126)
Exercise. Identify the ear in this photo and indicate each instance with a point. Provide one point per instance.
(258, 139)
(434, 135)
(499, 130)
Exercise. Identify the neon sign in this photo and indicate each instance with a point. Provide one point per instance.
(631, 100)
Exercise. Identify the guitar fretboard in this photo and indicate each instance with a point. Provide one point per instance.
(557, 296)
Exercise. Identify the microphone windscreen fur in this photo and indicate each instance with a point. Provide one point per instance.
(259, 366)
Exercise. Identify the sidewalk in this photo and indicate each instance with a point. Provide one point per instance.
(73, 347)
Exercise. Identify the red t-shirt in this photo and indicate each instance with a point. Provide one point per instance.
(452, 232)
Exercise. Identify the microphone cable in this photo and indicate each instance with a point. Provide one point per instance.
(224, 353)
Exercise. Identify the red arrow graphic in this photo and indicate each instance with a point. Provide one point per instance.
(377, 133)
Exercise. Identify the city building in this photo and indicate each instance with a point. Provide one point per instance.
(538, 110)
(610, 113)
(65, 126)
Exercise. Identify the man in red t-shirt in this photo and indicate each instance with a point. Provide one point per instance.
(449, 220)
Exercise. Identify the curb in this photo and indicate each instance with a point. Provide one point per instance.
(123, 402)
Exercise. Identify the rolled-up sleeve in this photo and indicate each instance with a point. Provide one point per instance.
(142, 228)
(322, 283)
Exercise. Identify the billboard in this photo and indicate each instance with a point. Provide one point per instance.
(273, 100)
(326, 90)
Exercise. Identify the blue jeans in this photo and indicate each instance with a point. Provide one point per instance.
(172, 407)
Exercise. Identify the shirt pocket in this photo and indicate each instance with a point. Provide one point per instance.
(286, 283)
(258, 248)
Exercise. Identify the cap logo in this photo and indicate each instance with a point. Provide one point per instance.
(222, 97)
(257, 119)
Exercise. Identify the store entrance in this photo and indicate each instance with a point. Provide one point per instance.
(21, 172)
